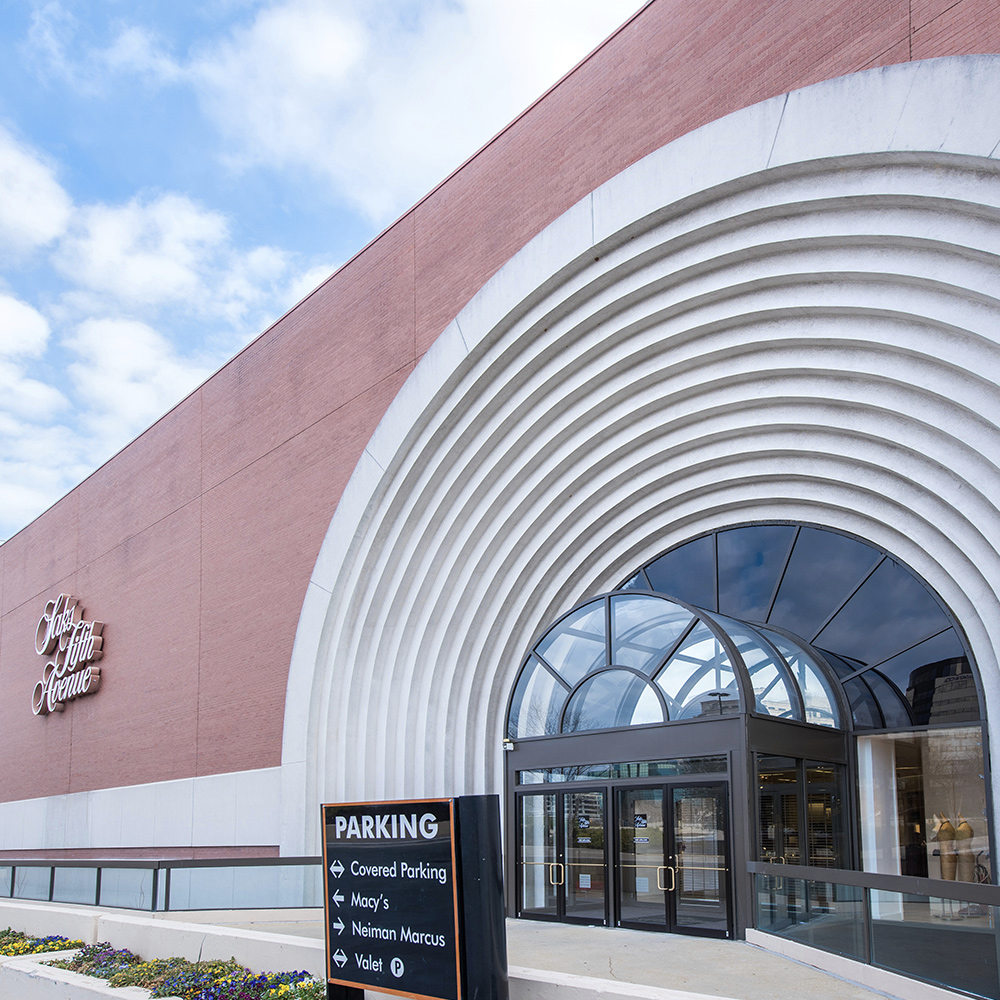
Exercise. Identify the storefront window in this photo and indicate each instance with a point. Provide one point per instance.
(796, 797)
(923, 804)
(778, 782)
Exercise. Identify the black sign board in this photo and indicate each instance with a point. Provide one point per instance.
(414, 898)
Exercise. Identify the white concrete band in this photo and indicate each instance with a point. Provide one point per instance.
(217, 810)
(789, 313)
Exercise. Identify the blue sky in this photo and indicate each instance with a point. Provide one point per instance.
(174, 176)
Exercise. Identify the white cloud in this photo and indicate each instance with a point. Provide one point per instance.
(34, 208)
(136, 50)
(143, 252)
(169, 257)
(25, 396)
(23, 329)
(127, 375)
(38, 464)
(53, 37)
(24, 333)
(382, 99)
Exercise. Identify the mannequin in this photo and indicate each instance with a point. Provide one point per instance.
(945, 836)
(966, 861)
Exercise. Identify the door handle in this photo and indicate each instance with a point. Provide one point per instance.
(552, 874)
(659, 882)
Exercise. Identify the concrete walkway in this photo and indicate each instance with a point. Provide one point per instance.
(730, 969)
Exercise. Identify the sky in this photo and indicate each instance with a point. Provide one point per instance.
(175, 176)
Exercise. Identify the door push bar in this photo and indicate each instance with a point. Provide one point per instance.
(673, 878)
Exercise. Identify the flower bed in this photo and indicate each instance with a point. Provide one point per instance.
(177, 977)
(18, 943)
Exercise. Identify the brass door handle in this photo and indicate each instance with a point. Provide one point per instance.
(552, 875)
(673, 880)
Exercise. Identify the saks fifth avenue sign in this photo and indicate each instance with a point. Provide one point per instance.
(73, 646)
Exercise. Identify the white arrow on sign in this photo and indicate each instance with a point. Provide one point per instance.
(340, 958)
(337, 869)
(338, 898)
(339, 924)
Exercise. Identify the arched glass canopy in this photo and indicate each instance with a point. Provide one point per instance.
(788, 621)
(632, 659)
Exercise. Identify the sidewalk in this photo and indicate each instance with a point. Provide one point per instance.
(729, 969)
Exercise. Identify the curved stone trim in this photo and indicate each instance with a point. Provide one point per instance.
(790, 313)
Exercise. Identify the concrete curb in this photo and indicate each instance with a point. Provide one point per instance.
(28, 978)
(155, 937)
(259, 951)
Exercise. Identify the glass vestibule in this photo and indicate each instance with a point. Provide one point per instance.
(845, 695)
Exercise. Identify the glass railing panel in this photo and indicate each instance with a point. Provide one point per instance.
(201, 888)
(130, 888)
(246, 887)
(31, 883)
(944, 941)
(75, 885)
(818, 914)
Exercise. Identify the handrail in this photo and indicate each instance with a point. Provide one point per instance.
(161, 870)
(242, 862)
(972, 892)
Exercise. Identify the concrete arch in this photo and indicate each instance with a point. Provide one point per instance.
(789, 313)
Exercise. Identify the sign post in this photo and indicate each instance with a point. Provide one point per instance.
(414, 899)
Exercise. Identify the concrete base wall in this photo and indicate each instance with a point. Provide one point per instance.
(159, 937)
(846, 968)
(31, 979)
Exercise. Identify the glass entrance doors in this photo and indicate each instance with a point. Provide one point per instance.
(563, 863)
(672, 859)
(670, 851)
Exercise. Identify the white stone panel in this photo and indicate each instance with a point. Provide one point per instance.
(221, 810)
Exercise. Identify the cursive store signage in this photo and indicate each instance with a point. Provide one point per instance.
(73, 646)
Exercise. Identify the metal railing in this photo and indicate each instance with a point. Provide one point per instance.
(941, 932)
(155, 885)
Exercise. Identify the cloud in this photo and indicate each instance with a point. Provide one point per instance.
(168, 258)
(34, 208)
(23, 329)
(54, 39)
(38, 464)
(24, 333)
(129, 375)
(382, 99)
(136, 50)
(142, 252)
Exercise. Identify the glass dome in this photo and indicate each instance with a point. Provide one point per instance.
(632, 659)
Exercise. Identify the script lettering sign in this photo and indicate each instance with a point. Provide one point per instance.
(73, 646)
